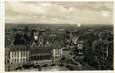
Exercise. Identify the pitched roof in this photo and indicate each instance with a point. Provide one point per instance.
(56, 45)
(40, 50)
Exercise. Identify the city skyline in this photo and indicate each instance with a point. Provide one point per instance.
(40, 48)
(58, 36)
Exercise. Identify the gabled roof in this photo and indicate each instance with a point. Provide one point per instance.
(56, 45)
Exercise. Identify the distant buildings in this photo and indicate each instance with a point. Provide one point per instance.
(35, 49)
(38, 46)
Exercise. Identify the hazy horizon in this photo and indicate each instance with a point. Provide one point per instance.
(59, 12)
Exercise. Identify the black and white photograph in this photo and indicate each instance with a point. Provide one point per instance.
(58, 36)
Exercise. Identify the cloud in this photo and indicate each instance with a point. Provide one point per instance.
(59, 13)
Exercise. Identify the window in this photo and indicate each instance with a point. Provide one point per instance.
(57, 51)
(14, 60)
(56, 57)
(23, 53)
(11, 60)
(31, 58)
(11, 55)
(17, 54)
(17, 59)
(80, 46)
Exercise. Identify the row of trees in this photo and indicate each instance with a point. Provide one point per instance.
(99, 51)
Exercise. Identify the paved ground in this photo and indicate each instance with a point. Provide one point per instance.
(80, 65)
(55, 68)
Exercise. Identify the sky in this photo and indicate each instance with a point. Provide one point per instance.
(59, 12)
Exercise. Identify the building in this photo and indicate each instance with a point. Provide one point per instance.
(80, 48)
(57, 51)
(40, 55)
(75, 39)
(34, 38)
(39, 49)
(34, 35)
(57, 54)
(19, 54)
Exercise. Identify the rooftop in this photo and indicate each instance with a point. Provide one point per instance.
(19, 48)
(40, 50)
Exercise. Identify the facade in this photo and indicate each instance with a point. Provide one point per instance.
(57, 51)
(44, 50)
(40, 55)
(19, 54)
(34, 38)
(80, 48)
(57, 54)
